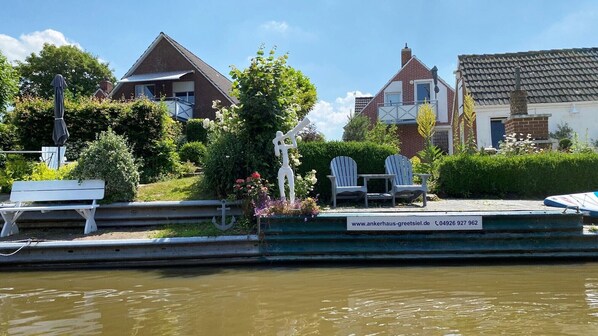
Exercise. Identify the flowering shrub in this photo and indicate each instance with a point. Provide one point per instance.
(110, 158)
(253, 190)
(581, 146)
(514, 145)
(305, 185)
(226, 121)
(306, 207)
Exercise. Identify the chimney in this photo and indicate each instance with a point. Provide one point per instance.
(106, 86)
(405, 55)
(520, 123)
(518, 96)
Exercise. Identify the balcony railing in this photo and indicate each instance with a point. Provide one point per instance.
(178, 108)
(402, 113)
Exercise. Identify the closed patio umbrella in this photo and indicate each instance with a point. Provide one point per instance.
(60, 134)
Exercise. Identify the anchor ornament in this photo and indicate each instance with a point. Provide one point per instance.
(223, 224)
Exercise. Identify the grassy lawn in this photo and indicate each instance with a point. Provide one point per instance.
(183, 189)
(201, 229)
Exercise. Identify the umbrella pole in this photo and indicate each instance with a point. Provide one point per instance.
(58, 166)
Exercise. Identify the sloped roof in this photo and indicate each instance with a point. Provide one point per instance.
(548, 76)
(412, 59)
(222, 83)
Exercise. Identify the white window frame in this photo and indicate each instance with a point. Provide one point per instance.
(184, 87)
(423, 81)
(387, 102)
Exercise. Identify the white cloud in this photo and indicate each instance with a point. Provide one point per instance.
(281, 29)
(276, 26)
(331, 117)
(17, 49)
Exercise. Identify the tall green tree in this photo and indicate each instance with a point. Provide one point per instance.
(9, 80)
(356, 128)
(81, 70)
(273, 97)
(384, 134)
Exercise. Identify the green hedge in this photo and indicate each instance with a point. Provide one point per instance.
(523, 176)
(195, 131)
(193, 152)
(317, 155)
(145, 124)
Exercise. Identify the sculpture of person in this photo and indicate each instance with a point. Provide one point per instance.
(282, 147)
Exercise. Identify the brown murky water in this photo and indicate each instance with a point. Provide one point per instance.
(435, 300)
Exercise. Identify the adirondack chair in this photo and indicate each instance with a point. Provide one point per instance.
(402, 185)
(344, 179)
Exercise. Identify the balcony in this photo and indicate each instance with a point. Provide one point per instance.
(178, 108)
(402, 113)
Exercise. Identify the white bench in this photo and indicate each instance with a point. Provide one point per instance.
(49, 191)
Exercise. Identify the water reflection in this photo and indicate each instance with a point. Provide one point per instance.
(468, 300)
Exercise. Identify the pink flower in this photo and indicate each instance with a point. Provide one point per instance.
(239, 181)
(256, 175)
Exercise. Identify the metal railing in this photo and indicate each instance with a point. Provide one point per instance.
(138, 214)
(178, 108)
(402, 113)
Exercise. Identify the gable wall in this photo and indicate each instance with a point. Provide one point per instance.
(163, 58)
(411, 141)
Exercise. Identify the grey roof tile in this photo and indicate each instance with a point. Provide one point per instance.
(563, 75)
(219, 80)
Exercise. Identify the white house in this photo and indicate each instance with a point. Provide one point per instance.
(561, 85)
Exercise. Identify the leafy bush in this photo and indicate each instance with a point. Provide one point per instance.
(109, 159)
(162, 163)
(15, 168)
(565, 144)
(144, 123)
(563, 131)
(8, 137)
(42, 172)
(193, 152)
(317, 155)
(223, 164)
(195, 131)
(534, 175)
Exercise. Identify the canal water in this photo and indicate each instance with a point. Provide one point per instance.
(379, 300)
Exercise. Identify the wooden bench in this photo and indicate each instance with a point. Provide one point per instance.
(42, 192)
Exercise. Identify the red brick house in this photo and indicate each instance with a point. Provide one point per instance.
(399, 99)
(168, 71)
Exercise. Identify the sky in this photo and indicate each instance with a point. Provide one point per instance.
(347, 48)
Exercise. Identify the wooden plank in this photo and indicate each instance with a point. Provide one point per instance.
(57, 190)
(57, 185)
(51, 208)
